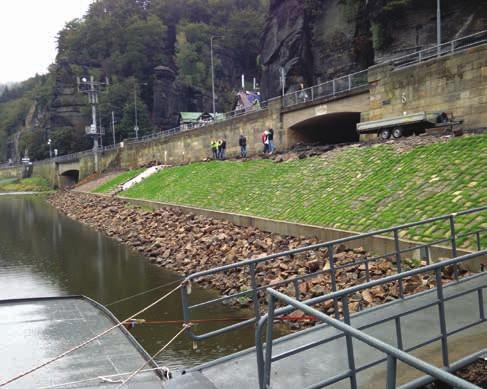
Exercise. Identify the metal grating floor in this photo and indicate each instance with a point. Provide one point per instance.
(35, 330)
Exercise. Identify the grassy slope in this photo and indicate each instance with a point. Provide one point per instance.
(360, 189)
(33, 184)
(118, 180)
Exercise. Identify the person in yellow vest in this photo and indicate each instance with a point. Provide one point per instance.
(214, 149)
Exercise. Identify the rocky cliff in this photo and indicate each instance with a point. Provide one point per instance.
(316, 40)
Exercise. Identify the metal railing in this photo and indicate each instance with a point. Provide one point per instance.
(265, 357)
(441, 50)
(329, 89)
(325, 253)
(222, 117)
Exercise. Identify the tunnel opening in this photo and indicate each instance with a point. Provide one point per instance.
(69, 178)
(326, 129)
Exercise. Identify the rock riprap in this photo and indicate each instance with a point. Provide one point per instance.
(186, 243)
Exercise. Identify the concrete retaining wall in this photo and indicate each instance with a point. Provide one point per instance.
(378, 245)
(194, 145)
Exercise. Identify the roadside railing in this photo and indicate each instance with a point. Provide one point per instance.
(265, 357)
(327, 89)
(252, 272)
(441, 50)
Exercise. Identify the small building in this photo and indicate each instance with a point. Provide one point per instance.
(194, 119)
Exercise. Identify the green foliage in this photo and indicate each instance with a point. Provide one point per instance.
(396, 5)
(192, 53)
(358, 189)
(32, 184)
(378, 38)
(68, 140)
(118, 180)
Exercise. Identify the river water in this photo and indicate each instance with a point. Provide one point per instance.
(44, 253)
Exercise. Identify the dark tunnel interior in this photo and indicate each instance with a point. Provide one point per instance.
(327, 129)
(69, 178)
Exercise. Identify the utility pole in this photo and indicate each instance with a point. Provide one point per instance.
(136, 114)
(113, 128)
(213, 73)
(136, 121)
(438, 26)
(91, 89)
(283, 80)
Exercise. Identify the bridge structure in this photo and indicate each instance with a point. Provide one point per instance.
(450, 77)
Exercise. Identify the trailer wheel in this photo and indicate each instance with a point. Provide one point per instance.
(385, 134)
(397, 132)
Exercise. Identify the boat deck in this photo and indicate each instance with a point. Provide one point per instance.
(34, 330)
(327, 360)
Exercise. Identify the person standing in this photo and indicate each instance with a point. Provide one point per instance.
(270, 137)
(223, 147)
(214, 149)
(219, 149)
(265, 141)
(242, 142)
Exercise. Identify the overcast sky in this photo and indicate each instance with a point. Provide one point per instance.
(28, 30)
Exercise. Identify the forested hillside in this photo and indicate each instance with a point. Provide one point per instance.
(158, 52)
(125, 40)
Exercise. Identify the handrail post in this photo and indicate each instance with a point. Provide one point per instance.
(398, 261)
(255, 296)
(453, 243)
(391, 372)
(312, 94)
(259, 353)
(349, 82)
(268, 343)
(349, 342)
(334, 87)
(441, 311)
(333, 279)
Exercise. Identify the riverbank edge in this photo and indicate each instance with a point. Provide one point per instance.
(379, 245)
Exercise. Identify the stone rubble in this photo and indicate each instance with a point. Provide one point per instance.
(186, 243)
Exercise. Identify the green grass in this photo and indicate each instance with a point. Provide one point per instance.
(118, 180)
(359, 189)
(32, 184)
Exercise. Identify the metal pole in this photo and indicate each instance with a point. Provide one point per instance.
(212, 77)
(93, 120)
(136, 127)
(438, 26)
(113, 127)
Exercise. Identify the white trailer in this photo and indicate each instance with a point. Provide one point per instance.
(408, 124)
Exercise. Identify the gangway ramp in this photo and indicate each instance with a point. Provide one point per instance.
(329, 359)
(439, 325)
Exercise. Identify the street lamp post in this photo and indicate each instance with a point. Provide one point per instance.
(438, 26)
(213, 73)
(136, 116)
(50, 149)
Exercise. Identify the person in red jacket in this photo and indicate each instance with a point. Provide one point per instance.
(265, 141)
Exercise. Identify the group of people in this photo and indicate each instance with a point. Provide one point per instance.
(219, 146)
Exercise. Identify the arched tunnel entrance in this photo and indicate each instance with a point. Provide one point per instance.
(68, 178)
(330, 128)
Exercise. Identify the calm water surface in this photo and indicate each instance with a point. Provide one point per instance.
(44, 253)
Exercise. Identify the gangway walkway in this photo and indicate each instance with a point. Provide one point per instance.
(440, 325)
(320, 354)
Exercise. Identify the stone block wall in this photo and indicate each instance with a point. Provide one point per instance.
(194, 145)
(455, 83)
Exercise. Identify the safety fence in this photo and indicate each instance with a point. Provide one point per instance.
(329, 89)
(265, 357)
(252, 272)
